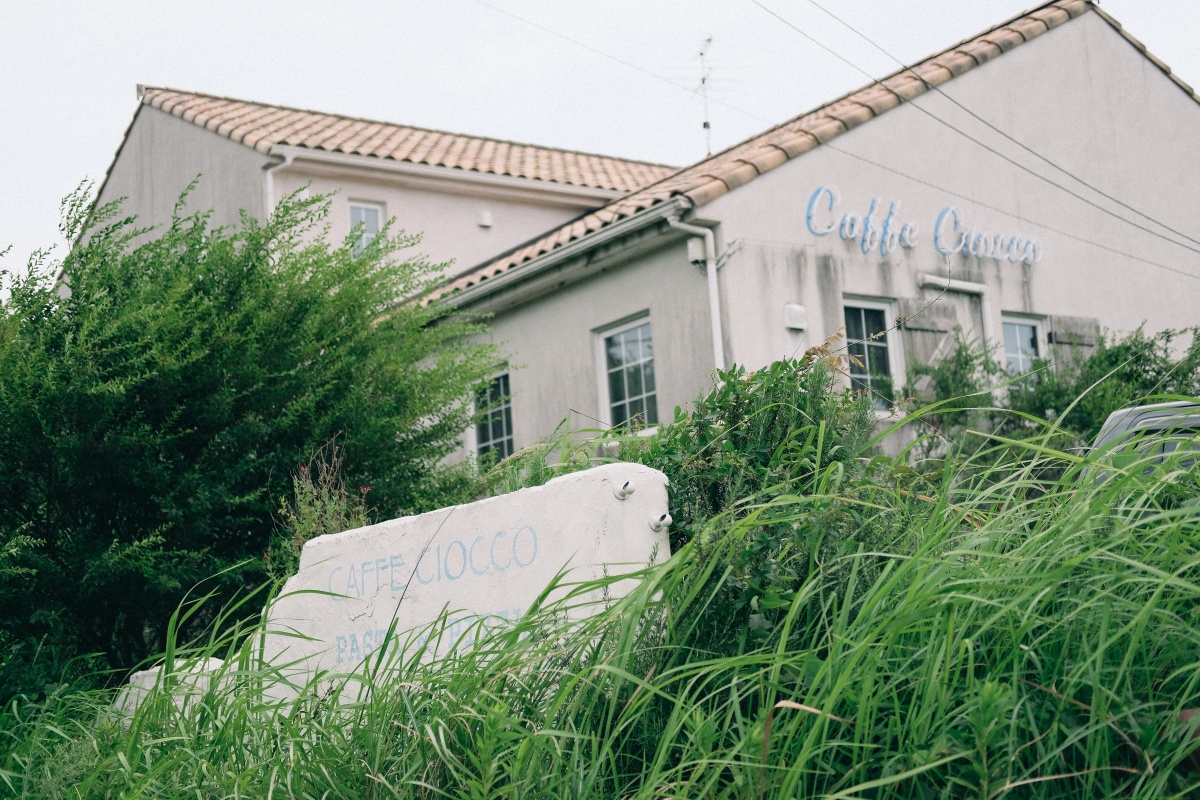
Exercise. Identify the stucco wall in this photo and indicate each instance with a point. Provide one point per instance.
(1080, 95)
(160, 157)
(551, 344)
(447, 219)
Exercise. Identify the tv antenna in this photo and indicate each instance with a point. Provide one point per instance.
(705, 74)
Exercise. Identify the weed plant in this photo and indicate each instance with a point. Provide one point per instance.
(990, 634)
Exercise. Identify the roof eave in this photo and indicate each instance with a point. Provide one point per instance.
(588, 196)
(473, 296)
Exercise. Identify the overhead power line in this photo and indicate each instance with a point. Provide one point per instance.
(1026, 220)
(984, 145)
(999, 130)
(696, 91)
(899, 173)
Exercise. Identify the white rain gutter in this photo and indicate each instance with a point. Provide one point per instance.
(575, 195)
(269, 189)
(571, 250)
(714, 290)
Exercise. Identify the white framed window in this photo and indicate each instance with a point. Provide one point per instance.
(1022, 342)
(628, 385)
(876, 359)
(370, 216)
(494, 432)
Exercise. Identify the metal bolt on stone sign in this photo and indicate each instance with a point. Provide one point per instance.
(485, 561)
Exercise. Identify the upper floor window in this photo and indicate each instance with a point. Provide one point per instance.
(1020, 345)
(494, 433)
(868, 342)
(629, 375)
(370, 216)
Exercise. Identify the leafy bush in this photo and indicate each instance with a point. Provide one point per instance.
(743, 451)
(154, 402)
(1004, 644)
(1121, 372)
(973, 394)
(319, 504)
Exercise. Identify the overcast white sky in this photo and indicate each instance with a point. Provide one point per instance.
(68, 70)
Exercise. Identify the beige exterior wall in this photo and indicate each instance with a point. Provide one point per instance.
(160, 157)
(446, 211)
(551, 344)
(162, 154)
(1080, 95)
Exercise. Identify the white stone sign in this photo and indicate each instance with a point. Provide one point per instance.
(489, 560)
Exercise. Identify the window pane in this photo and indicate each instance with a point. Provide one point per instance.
(858, 364)
(647, 347)
(619, 414)
(631, 382)
(873, 322)
(368, 217)
(1029, 340)
(1011, 345)
(1020, 346)
(494, 432)
(633, 377)
(371, 221)
(616, 386)
(633, 349)
(879, 361)
(637, 410)
(612, 347)
(854, 324)
(651, 409)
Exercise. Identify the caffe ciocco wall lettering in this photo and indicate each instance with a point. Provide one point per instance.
(877, 229)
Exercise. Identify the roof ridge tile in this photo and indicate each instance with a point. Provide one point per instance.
(263, 126)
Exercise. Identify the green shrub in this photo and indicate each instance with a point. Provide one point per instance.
(972, 397)
(319, 504)
(152, 412)
(1005, 644)
(742, 452)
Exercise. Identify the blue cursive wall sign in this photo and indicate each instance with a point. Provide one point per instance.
(883, 232)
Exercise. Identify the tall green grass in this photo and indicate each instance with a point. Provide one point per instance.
(1002, 636)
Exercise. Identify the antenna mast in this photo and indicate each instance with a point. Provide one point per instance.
(705, 73)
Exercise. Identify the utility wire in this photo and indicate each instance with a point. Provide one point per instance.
(620, 61)
(765, 121)
(987, 147)
(1026, 220)
(997, 129)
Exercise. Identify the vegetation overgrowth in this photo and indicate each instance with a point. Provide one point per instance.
(157, 389)
(1118, 372)
(829, 625)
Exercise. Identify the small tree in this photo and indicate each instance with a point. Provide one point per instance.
(155, 401)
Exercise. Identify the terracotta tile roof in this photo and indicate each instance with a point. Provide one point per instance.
(263, 126)
(707, 180)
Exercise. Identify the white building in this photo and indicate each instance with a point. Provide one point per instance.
(470, 197)
(1032, 185)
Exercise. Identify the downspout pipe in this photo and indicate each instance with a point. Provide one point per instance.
(269, 188)
(714, 290)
